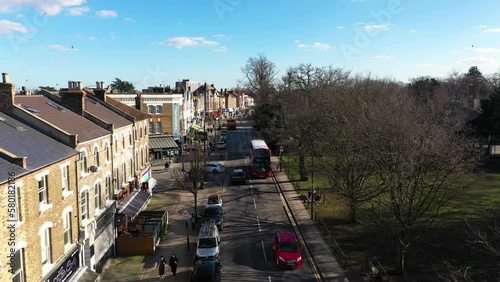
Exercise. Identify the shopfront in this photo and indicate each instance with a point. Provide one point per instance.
(146, 182)
(66, 268)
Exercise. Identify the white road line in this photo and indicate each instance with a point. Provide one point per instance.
(269, 278)
(254, 204)
(264, 251)
(251, 189)
(258, 223)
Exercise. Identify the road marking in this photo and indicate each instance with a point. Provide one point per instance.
(269, 277)
(264, 251)
(251, 189)
(258, 223)
(254, 204)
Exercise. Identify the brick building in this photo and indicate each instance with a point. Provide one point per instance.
(40, 185)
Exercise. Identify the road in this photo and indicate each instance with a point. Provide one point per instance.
(252, 215)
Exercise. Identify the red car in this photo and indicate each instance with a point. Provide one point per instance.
(287, 250)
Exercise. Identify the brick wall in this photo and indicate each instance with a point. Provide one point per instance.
(33, 220)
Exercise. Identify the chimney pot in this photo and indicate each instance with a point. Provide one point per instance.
(79, 85)
(70, 85)
(97, 85)
(102, 84)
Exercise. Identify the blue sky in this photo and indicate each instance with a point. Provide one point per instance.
(152, 42)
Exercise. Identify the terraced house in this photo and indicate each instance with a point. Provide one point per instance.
(112, 161)
(38, 200)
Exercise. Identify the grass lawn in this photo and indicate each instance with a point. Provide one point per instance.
(446, 239)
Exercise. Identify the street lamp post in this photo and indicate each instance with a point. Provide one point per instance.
(312, 182)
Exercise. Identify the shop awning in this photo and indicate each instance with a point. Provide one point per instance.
(163, 143)
(196, 127)
(135, 204)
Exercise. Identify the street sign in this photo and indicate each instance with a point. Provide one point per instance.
(186, 214)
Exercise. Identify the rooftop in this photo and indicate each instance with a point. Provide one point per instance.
(94, 106)
(61, 117)
(21, 140)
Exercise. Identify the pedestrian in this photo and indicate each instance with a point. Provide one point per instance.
(173, 264)
(167, 165)
(309, 194)
(281, 165)
(161, 266)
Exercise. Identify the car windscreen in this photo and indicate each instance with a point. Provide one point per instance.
(212, 201)
(289, 247)
(207, 243)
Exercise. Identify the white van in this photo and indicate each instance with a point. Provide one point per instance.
(208, 241)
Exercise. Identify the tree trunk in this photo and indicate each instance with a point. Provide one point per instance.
(352, 213)
(302, 165)
(402, 248)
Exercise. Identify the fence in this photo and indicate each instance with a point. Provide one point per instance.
(327, 235)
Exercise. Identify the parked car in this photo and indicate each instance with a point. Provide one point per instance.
(214, 200)
(207, 270)
(238, 176)
(208, 241)
(221, 144)
(215, 167)
(287, 250)
(214, 213)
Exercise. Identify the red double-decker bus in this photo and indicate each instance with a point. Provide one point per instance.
(260, 159)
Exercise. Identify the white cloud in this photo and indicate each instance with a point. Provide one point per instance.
(412, 30)
(181, 42)
(492, 30)
(383, 57)
(373, 27)
(223, 36)
(315, 46)
(51, 8)
(220, 49)
(61, 47)
(296, 41)
(487, 50)
(321, 46)
(8, 27)
(77, 11)
(340, 26)
(129, 19)
(359, 23)
(92, 38)
(476, 61)
(481, 26)
(106, 14)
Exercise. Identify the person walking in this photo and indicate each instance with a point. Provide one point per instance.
(161, 267)
(173, 264)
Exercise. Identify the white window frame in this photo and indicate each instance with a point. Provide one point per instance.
(45, 246)
(107, 186)
(151, 127)
(159, 112)
(19, 270)
(67, 232)
(151, 110)
(159, 127)
(84, 162)
(84, 212)
(123, 141)
(124, 173)
(97, 196)
(106, 152)
(66, 191)
(95, 153)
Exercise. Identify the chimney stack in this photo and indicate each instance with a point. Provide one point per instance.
(100, 92)
(97, 85)
(7, 94)
(74, 98)
(139, 102)
(5, 77)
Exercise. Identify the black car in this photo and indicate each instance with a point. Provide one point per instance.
(207, 270)
(214, 213)
(238, 176)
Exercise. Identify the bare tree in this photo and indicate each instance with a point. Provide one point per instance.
(260, 76)
(192, 175)
(456, 274)
(419, 156)
(346, 161)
